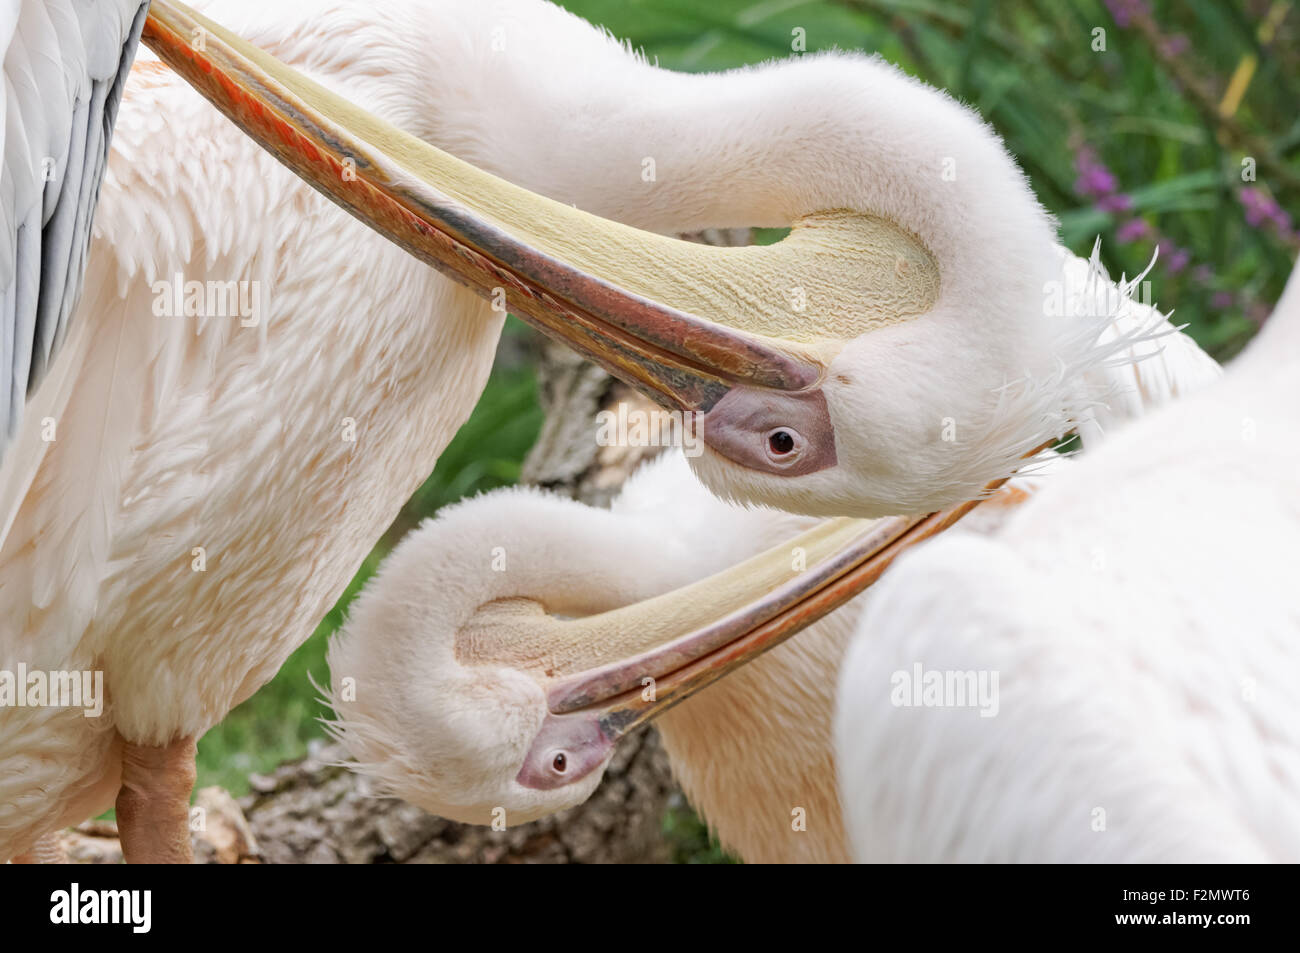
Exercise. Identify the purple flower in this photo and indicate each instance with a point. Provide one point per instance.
(1260, 208)
(1175, 258)
(1221, 300)
(1095, 181)
(1250, 200)
(1176, 45)
(1132, 230)
(1124, 11)
(1203, 274)
(1119, 202)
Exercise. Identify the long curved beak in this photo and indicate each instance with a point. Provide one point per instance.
(575, 276)
(767, 320)
(725, 621)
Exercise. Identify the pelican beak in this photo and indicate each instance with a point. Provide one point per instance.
(763, 327)
(725, 621)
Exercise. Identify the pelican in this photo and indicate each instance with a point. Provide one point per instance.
(218, 477)
(64, 68)
(1141, 614)
(1144, 657)
(430, 724)
(485, 622)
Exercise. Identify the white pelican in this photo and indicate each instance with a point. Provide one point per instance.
(216, 481)
(1141, 614)
(433, 723)
(1143, 656)
(64, 68)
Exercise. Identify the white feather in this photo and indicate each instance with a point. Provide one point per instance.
(1140, 614)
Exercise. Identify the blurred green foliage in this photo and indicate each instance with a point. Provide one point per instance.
(1180, 95)
(688, 837)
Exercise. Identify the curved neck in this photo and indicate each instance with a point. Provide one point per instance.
(552, 103)
(540, 97)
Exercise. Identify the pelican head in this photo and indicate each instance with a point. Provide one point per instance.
(895, 352)
(440, 674)
(475, 674)
(420, 717)
(489, 669)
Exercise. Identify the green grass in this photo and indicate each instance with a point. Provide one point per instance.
(688, 837)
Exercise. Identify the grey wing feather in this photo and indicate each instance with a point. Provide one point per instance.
(65, 66)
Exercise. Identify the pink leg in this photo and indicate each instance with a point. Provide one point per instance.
(153, 804)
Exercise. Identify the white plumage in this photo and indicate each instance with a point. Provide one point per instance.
(1141, 615)
(451, 735)
(749, 751)
(753, 752)
(185, 433)
(203, 505)
(64, 68)
(1113, 717)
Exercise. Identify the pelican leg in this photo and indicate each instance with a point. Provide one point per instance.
(47, 850)
(153, 803)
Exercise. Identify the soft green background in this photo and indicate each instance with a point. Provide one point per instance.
(1031, 70)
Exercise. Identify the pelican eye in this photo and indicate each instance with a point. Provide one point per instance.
(780, 443)
(560, 763)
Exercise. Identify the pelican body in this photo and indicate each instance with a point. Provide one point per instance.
(429, 724)
(1141, 613)
(217, 479)
(65, 65)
